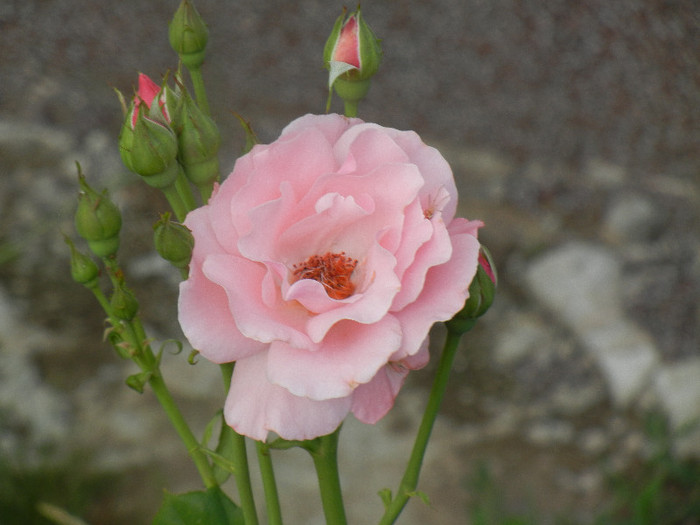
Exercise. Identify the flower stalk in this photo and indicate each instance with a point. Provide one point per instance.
(272, 503)
(324, 452)
(409, 482)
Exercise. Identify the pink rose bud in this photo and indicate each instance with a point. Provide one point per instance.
(188, 35)
(148, 146)
(352, 55)
(481, 294)
(149, 92)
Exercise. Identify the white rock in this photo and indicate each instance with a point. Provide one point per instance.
(631, 218)
(678, 388)
(627, 357)
(578, 282)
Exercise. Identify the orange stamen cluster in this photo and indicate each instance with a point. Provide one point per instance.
(332, 270)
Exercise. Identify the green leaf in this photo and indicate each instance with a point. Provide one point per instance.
(225, 448)
(210, 507)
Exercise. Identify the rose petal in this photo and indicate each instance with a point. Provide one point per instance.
(351, 355)
(242, 280)
(255, 406)
(444, 293)
(206, 321)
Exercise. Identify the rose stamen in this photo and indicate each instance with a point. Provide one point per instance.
(332, 270)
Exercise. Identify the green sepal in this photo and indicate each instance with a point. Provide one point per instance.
(386, 497)
(208, 507)
(138, 381)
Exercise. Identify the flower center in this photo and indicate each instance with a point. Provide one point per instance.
(332, 270)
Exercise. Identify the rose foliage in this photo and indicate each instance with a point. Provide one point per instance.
(319, 266)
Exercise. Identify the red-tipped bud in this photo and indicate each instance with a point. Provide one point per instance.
(482, 291)
(352, 55)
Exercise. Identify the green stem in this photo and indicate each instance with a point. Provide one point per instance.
(351, 108)
(178, 421)
(272, 502)
(409, 482)
(182, 186)
(239, 458)
(205, 190)
(199, 91)
(176, 202)
(242, 475)
(325, 456)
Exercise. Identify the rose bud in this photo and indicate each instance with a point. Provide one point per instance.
(352, 55)
(173, 241)
(481, 294)
(165, 98)
(82, 268)
(198, 140)
(188, 35)
(124, 304)
(97, 220)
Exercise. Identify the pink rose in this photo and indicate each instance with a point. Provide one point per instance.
(319, 266)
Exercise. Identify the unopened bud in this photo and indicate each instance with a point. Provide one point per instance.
(149, 148)
(188, 35)
(124, 304)
(82, 268)
(173, 241)
(352, 55)
(481, 294)
(199, 141)
(97, 220)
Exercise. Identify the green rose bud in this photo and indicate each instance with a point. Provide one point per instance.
(149, 148)
(173, 241)
(199, 141)
(188, 35)
(97, 220)
(124, 304)
(82, 268)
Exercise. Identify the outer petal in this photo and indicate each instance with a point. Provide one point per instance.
(444, 293)
(255, 406)
(207, 323)
(371, 402)
(350, 355)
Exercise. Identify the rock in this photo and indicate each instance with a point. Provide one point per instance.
(40, 420)
(32, 144)
(678, 388)
(626, 356)
(631, 218)
(579, 283)
(521, 335)
(604, 173)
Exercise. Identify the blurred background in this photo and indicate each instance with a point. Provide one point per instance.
(573, 129)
